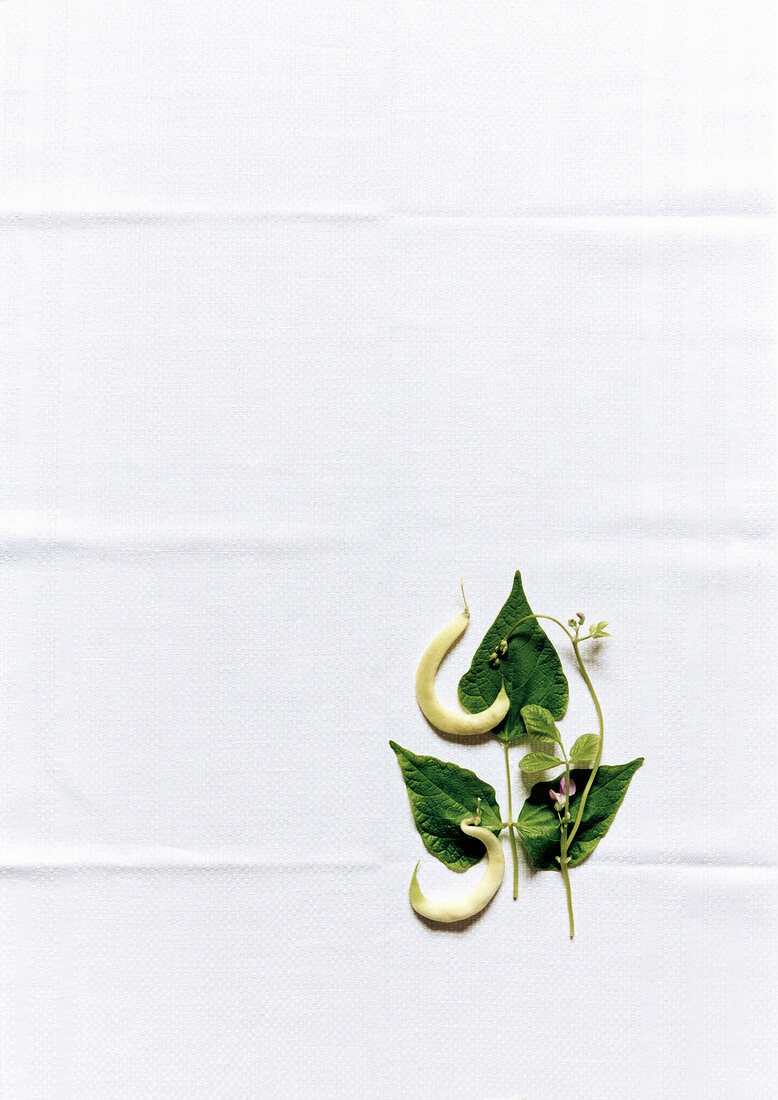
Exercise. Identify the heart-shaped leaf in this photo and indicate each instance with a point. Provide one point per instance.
(442, 795)
(530, 669)
(538, 823)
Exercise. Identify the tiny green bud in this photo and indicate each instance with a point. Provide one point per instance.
(581, 617)
(502, 648)
(494, 660)
(572, 623)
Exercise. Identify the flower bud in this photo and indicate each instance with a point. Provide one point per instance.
(558, 797)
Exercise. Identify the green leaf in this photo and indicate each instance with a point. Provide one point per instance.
(540, 724)
(538, 823)
(531, 669)
(442, 795)
(538, 762)
(585, 747)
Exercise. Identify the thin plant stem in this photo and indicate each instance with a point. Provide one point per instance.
(564, 847)
(511, 827)
(566, 880)
(550, 618)
(598, 758)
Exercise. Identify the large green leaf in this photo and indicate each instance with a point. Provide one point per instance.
(442, 795)
(538, 823)
(531, 669)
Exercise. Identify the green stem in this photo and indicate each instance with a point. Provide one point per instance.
(598, 758)
(564, 848)
(511, 827)
(566, 880)
(550, 618)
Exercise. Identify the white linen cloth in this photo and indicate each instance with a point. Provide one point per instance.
(310, 310)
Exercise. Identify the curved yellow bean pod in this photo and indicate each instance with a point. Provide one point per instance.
(451, 721)
(461, 908)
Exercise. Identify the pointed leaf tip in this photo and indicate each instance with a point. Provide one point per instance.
(531, 669)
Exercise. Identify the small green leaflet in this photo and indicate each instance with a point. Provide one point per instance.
(442, 795)
(531, 669)
(585, 747)
(538, 823)
(538, 762)
(540, 723)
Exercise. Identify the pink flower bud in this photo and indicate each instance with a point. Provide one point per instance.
(558, 797)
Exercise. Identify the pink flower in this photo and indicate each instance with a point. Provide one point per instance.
(558, 797)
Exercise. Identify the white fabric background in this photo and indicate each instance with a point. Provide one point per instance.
(309, 310)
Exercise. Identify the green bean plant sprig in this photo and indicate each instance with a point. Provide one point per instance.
(514, 689)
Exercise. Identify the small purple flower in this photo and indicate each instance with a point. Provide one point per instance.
(558, 797)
